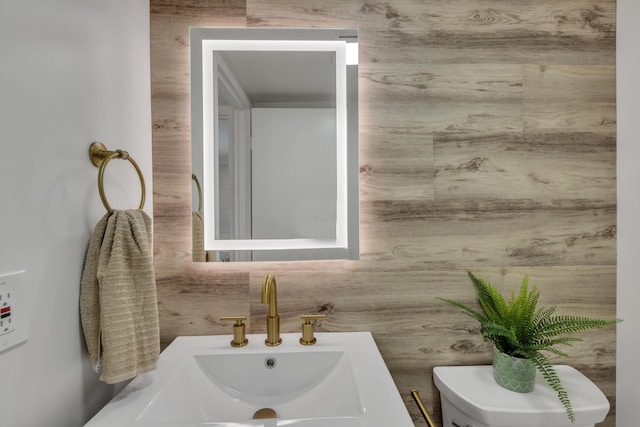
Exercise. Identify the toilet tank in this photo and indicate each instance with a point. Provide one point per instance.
(471, 398)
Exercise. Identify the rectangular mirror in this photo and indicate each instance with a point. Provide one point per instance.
(274, 129)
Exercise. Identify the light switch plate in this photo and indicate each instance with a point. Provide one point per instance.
(13, 310)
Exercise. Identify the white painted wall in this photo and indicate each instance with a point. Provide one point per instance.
(72, 71)
(294, 151)
(628, 153)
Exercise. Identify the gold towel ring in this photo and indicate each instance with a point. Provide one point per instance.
(195, 178)
(100, 156)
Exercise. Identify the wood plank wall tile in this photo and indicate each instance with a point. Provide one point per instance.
(469, 31)
(555, 97)
(541, 166)
(487, 142)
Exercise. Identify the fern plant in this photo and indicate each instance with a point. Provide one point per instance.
(518, 328)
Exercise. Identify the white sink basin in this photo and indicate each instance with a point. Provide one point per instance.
(341, 381)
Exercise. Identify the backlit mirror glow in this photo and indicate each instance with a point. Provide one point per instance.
(244, 215)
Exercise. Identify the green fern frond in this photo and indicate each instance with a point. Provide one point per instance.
(551, 377)
(527, 302)
(547, 348)
(491, 301)
(468, 310)
(520, 304)
(503, 338)
(540, 318)
(558, 341)
(563, 325)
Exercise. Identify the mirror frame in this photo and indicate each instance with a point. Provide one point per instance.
(204, 42)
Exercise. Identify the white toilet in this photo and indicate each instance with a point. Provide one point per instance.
(471, 398)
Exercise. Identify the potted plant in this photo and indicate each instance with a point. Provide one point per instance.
(521, 332)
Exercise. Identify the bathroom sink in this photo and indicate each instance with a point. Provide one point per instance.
(230, 387)
(341, 381)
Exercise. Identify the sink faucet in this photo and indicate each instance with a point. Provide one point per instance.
(273, 320)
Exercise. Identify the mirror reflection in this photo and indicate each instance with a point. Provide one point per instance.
(274, 156)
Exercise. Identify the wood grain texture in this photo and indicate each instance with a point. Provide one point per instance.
(469, 31)
(487, 142)
(555, 97)
(536, 165)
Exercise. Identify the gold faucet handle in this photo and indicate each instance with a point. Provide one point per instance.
(308, 321)
(239, 339)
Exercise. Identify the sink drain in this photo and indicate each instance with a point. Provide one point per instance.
(264, 413)
(270, 362)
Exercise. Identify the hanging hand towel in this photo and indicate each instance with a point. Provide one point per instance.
(118, 301)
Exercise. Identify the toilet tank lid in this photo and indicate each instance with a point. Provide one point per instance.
(473, 390)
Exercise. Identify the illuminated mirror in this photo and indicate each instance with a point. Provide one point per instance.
(274, 124)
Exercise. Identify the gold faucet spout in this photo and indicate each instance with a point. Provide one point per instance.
(269, 296)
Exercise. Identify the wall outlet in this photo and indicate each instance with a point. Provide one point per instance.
(13, 313)
(6, 315)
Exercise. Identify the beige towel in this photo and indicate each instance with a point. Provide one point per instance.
(197, 239)
(118, 301)
(197, 236)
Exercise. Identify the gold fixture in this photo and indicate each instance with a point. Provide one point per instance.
(269, 296)
(264, 413)
(425, 414)
(100, 156)
(308, 321)
(239, 339)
